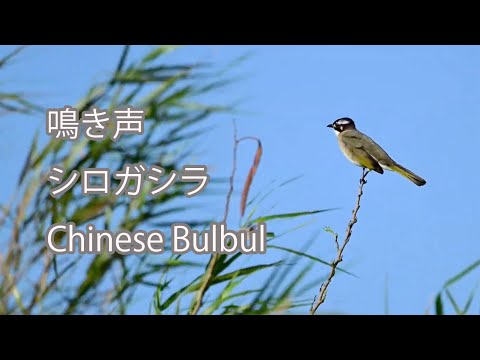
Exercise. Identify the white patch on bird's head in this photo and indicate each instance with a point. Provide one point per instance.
(343, 124)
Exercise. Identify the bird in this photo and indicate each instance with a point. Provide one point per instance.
(366, 153)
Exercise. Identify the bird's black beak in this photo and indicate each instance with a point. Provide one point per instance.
(330, 126)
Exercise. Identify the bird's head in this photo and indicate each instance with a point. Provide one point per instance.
(342, 124)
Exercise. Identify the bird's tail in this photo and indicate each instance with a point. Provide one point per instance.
(417, 180)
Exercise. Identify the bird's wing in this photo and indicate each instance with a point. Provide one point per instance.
(366, 160)
(356, 141)
(353, 139)
(362, 141)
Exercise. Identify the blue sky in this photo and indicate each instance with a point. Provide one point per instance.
(421, 103)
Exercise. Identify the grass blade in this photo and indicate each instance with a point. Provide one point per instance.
(470, 299)
(439, 305)
(299, 253)
(457, 309)
(462, 274)
(287, 216)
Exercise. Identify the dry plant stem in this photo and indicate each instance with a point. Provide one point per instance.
(207, 278)
(340, 248)
(214, 258)
(251, 173)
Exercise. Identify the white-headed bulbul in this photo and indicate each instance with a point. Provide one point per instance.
(364, 152)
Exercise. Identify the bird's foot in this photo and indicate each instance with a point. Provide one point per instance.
(365, 172)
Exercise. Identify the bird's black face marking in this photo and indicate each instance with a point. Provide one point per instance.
(343, 124)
